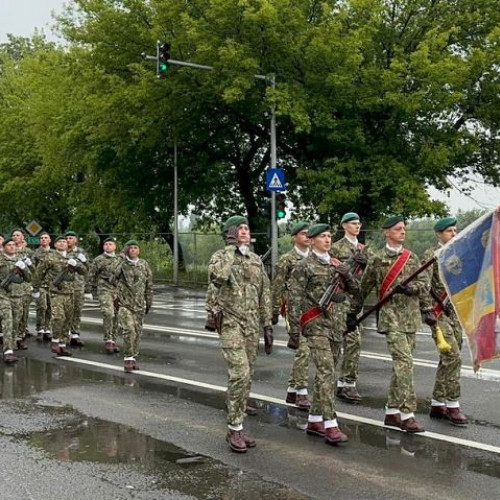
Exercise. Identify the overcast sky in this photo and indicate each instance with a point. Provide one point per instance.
(21, 17)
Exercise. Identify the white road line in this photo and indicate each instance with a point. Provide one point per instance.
(355, 418)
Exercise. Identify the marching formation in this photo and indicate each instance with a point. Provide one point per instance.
(320, 289)
(57, 280)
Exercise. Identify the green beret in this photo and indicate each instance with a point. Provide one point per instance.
(234, 221)
(8, 240)
(349, 216)
(392, 221)
(60, 237)
(298, 227)
(444, 223)
(110, 239)
(131, 243)
(71, 233)
(316, 229)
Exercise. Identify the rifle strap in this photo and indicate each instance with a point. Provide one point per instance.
(310, 315)
(393, 272)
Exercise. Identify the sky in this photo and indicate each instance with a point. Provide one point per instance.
(21, 17)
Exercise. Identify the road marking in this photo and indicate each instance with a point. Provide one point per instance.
(355, 418)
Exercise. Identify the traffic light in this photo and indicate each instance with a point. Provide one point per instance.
(163, 54)
(280, 206)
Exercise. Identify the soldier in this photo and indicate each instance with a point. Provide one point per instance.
(440, 315)
(297, 383)
(19, 274)
(348, 249)
(75, 252)
(399, 319)
(242, 305)
(42, 296)
(103, 286)
(134, 298)
(58, 271)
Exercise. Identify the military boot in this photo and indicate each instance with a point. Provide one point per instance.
(411, 426)
(349, 394)
(62, 350)
(334, 435)
(21, 344)
(393, 420)
(456, 417)
(236, 440)
(10, 358)
(316, 428)
(303, 402)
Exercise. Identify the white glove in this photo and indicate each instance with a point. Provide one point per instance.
(81, 258)
(244, 249)
(27, 261)
(20, 264)
(72, 263)
(35, 295)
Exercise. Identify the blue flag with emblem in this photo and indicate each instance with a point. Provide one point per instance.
(470, 269)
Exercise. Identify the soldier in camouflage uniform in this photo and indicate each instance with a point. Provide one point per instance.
(349, 249)
(310, 278)
(399, 319)
(103, 286)
(42, 296)
(440, 315)
(75, 252)
(242, 306)
(58, 271)
(134, 298)
(297, 383)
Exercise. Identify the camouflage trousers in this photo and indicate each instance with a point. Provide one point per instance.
(299, 375)
(351, 345)
(43, 311)
(25, 306)
(324, 353)
(109, 314)
(401, 391)
(239, 349)
(447, 384)
(76, 312)
(6, 318)
(130, 323)
(17, 317)
(62, 308)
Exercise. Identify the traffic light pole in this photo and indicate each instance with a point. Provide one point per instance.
(176, 217)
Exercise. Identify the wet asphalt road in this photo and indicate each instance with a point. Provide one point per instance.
(81, 428)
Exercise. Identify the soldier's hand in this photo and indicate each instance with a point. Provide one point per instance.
(232, 236)
(27, 261)
(351, 322)
(293, 341)
(72, 263)
(35, 294)
(81, 257)
(275, 318)
(20, 265)
(344, 271)
(210, 323)
(268, 339)
(430, 318)
(360, 259)
(409, 290)
(148, 306)
(448, 308)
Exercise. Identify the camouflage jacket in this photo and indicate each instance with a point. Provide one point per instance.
(16, 276)
(23, 253)
(309, 280)
(401, 313)
(103, 271)
(80, 278)
(54, 273)
(280, 282)
(134, 284)
(242, 289)
(39, 254)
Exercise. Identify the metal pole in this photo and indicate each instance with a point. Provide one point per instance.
(274, 222)
(176, 214)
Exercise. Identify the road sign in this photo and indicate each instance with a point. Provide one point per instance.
(33, 228)
(275, 179)
(33, 240)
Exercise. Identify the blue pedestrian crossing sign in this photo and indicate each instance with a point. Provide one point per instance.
(275, 179)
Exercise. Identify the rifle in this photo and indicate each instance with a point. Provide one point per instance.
(12, 277)
(63, 275)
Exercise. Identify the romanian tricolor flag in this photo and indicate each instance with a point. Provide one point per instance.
(469, 265)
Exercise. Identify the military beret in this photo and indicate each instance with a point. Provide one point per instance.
(17, 230)
(392, 221)
(234, 221)
(8, 240)
(131, 243)
(60, 237)
(349, 216)
(298, 227)
(316, 229)
(444, 223)
(71, 233)
(2, 236)
(110, 239)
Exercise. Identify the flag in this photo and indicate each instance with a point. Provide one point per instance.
(469, 266)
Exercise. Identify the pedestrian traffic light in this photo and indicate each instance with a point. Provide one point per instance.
(280, 206)
(163, 55)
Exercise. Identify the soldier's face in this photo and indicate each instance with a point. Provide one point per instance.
(71, 241)
(396, 234)
(301, 239)
(133, 251)
(352, 228)
(447, 234)
(61, 245)
(45, 240)
(2, 239)
(109, 246)
(323, 242)
(10, 248)
(18, 237)
(243, 234)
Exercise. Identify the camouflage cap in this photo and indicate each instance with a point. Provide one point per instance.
(392, 221)
(349, 216)
(131, 243)
(316, 229)
(234, 221)
(298, 227)
(444, 223)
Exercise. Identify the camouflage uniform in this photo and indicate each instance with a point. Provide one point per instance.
(243, 297)
(43, 309)
(399, 319)
(135, 293)
(17, 293)
(308, 282)
(61, 296)
(6, 306)
(23, 253)
(280, 288)
(78, 291)
(447, 384)
(103, 283)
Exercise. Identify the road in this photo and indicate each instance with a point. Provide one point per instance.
(81, 428)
